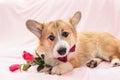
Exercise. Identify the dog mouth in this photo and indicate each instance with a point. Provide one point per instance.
(64, 59)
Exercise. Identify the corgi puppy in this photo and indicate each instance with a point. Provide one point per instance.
(65, 48)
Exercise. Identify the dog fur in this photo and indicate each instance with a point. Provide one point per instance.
(91, 47)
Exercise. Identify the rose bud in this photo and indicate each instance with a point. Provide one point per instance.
(28, 57)
(14, 67)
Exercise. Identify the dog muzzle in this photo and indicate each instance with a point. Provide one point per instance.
(64, 59)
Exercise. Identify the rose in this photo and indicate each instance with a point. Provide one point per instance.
(31, 61)
(27, 56)
(14, 67)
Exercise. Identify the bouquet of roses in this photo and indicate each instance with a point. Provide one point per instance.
(30, 61)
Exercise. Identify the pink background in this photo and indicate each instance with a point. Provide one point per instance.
(97, 15)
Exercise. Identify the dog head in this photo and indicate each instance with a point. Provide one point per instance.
(56, 37)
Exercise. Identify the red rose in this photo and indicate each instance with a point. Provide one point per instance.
(14, 67)
(28, 57)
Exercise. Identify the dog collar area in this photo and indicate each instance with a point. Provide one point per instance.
(72, 48)
(64, 59)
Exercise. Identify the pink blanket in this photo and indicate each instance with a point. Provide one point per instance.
(97, 15)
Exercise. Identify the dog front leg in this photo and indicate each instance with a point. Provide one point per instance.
(62, 68)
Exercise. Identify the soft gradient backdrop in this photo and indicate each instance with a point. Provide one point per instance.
(97, 15)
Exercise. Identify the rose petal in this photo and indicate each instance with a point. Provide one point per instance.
(28, 57)
(14, 67)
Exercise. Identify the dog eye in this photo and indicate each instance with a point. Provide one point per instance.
(65, 34)
(51, 37)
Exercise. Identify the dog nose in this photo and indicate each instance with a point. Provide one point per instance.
(62, 51)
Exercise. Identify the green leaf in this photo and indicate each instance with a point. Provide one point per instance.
(38, 59)
(48, 66)
(43, 56)
(40, 67)
(37, 53)
(26, 67)
(42, 62)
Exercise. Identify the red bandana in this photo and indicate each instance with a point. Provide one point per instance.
(64, 59)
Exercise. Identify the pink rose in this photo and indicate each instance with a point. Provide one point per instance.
(14, 67)
(28, 57)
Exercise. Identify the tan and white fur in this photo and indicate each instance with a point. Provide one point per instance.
(91, 47)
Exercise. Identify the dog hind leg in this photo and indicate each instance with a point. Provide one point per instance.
(115, 61)
(93, 62)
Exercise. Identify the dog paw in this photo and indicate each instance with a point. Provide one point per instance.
(57, 70)
(115, 62)
(92, 63)
(61, 68)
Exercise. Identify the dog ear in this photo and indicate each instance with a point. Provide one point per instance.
(35, 27)
(76, 18)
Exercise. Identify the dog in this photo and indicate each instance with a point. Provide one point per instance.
(66, 49)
